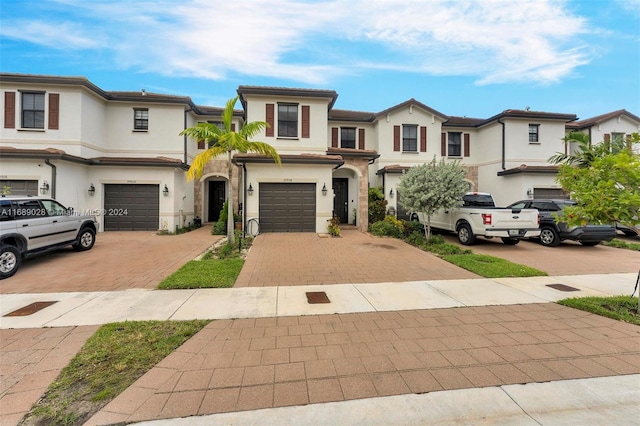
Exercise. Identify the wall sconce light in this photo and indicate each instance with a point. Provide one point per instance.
(324, 189)
(391, 193)
(529, 192)
(165, 191)
(92, 189)
(44, 188)
(250, 190)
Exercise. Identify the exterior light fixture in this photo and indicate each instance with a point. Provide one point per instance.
(44, 188)
(165, 191)
(529, 192)
(92, 189)
(324, 189)
(250, 190)
(391, 193)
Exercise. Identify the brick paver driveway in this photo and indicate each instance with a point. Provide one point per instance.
(118, 261)
(356, 257)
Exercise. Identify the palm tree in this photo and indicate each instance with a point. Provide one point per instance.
(224, 140)
(586, 152)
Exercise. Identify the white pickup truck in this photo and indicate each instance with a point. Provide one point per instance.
(479, 216)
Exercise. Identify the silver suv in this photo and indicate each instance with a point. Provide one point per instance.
(30, 226)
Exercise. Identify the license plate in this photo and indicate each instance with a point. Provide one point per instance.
(514, 232)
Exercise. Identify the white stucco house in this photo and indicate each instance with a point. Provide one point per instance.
(111, 152)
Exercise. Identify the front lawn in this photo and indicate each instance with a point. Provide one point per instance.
(492, 267)
(622, 244)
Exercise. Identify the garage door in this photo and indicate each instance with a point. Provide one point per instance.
(20, 187)
(131, 207)
(541, 193)
(287, 207)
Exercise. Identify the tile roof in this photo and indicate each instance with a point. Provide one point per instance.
(523, 168)
(593, 121)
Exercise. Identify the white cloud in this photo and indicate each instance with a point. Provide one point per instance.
(312, 42)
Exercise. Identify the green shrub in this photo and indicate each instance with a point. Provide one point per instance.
(409, 227)
(446, 249)
(333, 227)
(225, 251)
(389, 227)
(220, 227)
(416, 239)
(436, 239)
(377, 205)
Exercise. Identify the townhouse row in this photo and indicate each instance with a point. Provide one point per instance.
(114, 152)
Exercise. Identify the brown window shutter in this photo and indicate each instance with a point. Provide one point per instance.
(270, 120)
(200, 144)
(9, 110)
(443, 145)
(607, 140)
(423, 139)
(233, 127)
(467, 137)
(396, 138)
(361, 139)
(334, 137)
(305, 121)
(54, 111)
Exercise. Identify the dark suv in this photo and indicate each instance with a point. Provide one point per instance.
(552, 232)
(30, 225)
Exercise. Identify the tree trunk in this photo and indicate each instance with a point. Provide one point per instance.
(230, 226)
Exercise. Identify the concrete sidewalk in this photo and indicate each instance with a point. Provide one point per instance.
(92, 308)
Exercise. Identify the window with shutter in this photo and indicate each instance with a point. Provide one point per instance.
(466, 144)
(288, 120)
(348, 137)
(141, 119)
(32, 110)
(409, 138)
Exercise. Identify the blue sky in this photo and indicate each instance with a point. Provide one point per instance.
(465, 58)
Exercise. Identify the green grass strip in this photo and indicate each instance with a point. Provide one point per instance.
(492, 267)
(214, 273)
(622, 308)
(109, 362)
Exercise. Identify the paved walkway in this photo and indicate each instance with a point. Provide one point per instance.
(118, 261)
(307, 258)
(249, 364)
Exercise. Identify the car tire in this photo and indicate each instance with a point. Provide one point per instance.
(10, 260)
(510, 241)
(549, 237)
(86, 239)
(590, 243)
(465, 235)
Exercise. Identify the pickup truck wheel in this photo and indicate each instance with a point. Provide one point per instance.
(10, 260)
(86, 240)
(465, 235)
(549, 237)
(510, 241)
(589, 243)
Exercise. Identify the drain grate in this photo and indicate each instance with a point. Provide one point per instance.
(563, 287)
(29, 309)
(314, 297)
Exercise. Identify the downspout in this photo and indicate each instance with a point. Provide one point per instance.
(244, 198)
(185, 136)
(503, 144)
(53, 177)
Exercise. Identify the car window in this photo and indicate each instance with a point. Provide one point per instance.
(519, 205)
(540, 206)
(54, 208)
(5, 210)
(26, 209)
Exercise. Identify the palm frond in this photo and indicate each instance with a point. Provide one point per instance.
(249, 130)
(227, 114)
(264, 149)
(200, 161)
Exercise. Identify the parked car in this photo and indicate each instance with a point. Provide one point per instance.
(479, 216)
(552, 232)
(30, 225)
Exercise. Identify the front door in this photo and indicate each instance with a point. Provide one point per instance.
(341, 199)
(216, 199)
